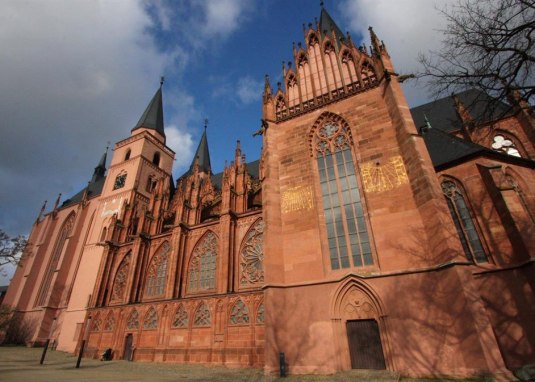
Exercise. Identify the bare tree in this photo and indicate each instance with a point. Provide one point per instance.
(488, 45)
(11, 248)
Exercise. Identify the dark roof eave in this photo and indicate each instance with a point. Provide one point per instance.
(489, 154)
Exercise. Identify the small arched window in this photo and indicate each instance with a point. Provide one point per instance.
(464, 223)
(156, 159)
(505, 144)
(127, 155)
(121, 277)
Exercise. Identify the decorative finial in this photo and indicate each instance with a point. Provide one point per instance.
(107, 146)
(162, 78)
(321, 4)
(205, 123)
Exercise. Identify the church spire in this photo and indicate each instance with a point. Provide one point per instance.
(100, 170)
(328, 26)
(202, 155)
(152, 117)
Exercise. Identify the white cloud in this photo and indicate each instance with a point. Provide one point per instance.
(408, 27)
(181, 143)
(222, 17)
(249, 90)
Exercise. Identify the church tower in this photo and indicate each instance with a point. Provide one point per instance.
(345, 172)
(126, 211)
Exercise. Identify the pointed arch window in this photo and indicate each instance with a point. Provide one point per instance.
(202, 316)
(464, 223)
(239, 314)
(505, 144)
(156, 159)
(133, 320)
(54, 260)
(181, 318)
(157, 274)
(119, 283)
(151, 319)
(202, 269)
(260, 314)
(252, 255)
(347, 232)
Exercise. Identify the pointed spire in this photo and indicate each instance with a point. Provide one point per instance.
(41, 213)
(376, 44)
(202, 155)
(100, 170)
(152, 117)
(328, 26)
(57, 202)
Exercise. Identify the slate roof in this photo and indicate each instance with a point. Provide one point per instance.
(327, 24)
(152, 117)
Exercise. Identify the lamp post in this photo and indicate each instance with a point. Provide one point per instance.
(48, 341)
(84, 340)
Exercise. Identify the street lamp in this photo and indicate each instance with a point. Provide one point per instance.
(84, 340)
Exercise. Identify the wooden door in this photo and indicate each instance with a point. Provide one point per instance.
(365, 347)
(128, 347)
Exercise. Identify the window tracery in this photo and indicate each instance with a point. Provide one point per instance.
(260, 314)
(121, 277)
(504, 144)
(110, 323)
(202, 269)
(239, 313)
(157, 273)
(151, 319)
(133, 320)
(368, 74)
(464, 224)
(181, 319)
(347, 232)
(202, 316)
(96, 325)
(252, 255)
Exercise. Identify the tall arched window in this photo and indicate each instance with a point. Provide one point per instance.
(252, 255)
(464, 223)
(156, 159)
(54, 260)
(119, 283)
(347, 231)
(157, 274)
(202, 266)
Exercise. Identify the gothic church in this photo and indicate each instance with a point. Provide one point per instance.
(367, 235)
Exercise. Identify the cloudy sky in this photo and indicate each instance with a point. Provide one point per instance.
(77, 74)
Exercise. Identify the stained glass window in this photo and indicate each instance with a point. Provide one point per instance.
(133, 320)
(202, 267)
(202, 316)
(464, 224)
(347, 233)
(151, 319)
(119, 284)
(252, 255)
(157, 274)
(181, 318)
(239, 313)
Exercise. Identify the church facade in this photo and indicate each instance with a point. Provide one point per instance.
(367, 235)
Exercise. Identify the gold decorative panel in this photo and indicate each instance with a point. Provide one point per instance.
(297, 199)
(384, 177)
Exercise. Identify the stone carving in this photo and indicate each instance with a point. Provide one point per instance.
(181, 318)
(97, 324)
(151, 319)
(357, 305)
(239, 314)
(202, 316)
(260, 314)
(109, 325)
(252, 255)
(133, 320)
(119, 285)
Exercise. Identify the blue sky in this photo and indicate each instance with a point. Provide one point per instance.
(77, 74)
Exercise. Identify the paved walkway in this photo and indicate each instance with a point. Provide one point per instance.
(20, 364)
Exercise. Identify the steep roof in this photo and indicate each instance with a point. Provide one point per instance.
(442, 113)
(327, 24)
(202, 155)
(152, 117)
